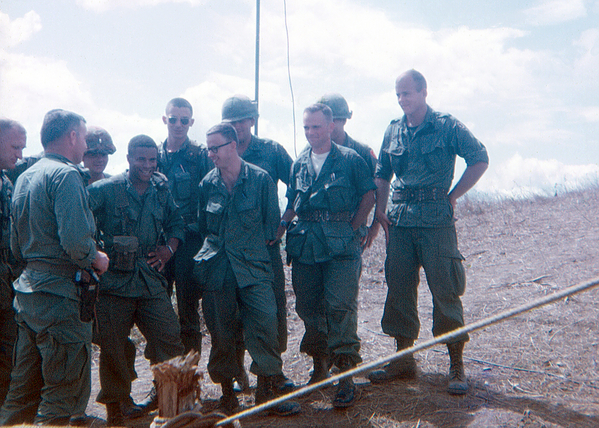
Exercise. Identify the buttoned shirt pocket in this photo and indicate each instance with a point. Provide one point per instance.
(434, 153)
(340, 193)
(398, 155)
(182, 185)
(214, 211)
(249, 213)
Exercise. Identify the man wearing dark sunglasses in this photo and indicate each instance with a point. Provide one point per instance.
(184, 163)
(272, 157)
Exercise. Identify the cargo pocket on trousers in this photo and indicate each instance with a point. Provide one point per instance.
(65, 356)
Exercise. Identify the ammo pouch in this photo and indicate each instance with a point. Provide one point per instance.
(124, 252)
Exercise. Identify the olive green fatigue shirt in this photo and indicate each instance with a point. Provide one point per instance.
(8, 327)
(22, 165)
(52, 224)
(239, 223)
(424, 158)
(185, 169)
(271, 157)
(9, 268)
(152, 217)
(338, 190)
(363, 150)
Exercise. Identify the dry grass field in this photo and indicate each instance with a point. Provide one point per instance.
(539, 369)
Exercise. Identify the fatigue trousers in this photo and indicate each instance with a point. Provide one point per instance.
(189, 292)
(280, 297)
(157, 321)
(8, 335)
(229, 309)
(327, 301)
(51, 378)
(436, 250)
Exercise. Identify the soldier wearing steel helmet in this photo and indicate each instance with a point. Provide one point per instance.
(341, 114)
(269, 155)
(99, 146)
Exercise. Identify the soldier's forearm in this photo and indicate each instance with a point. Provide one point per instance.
(366, 205)
(469, 178)
(382, 194)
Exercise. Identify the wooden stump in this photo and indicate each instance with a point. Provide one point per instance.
(178, 384)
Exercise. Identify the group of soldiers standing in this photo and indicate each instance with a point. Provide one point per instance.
(204, 221)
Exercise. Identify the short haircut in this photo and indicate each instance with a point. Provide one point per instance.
(325, 109)
(141, 141)
(58, 123)
(180, 103)
(226, 130)
(8, 124)
(418, 78)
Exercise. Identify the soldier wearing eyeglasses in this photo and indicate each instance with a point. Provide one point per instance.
(239, 213)
(272, 157)
(184, 163)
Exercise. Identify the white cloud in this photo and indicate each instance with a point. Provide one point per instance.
(105, 5)
(18, 30)
(549, 12)
(590, 114)
(525, 176)
(586, 65)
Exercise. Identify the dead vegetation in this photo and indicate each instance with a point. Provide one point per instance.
(540, 369)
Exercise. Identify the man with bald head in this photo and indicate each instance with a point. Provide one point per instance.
(420, 150)
(12, 142)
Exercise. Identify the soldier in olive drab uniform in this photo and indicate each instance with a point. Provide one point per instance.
(141, 228)
(420, 149)
(185, 164)
(341, 114)
(22, 165)
(52, 230)
(331, 192)
(95, 159)
(12, 142)
(239, 213)
(272, 157)
(99, 146)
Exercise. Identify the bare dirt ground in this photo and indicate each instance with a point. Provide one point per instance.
(539, 369)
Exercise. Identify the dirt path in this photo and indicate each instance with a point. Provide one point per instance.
(540, 369)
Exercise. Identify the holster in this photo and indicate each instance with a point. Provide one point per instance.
(88, 285)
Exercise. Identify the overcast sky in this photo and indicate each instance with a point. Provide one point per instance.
(522, 75)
